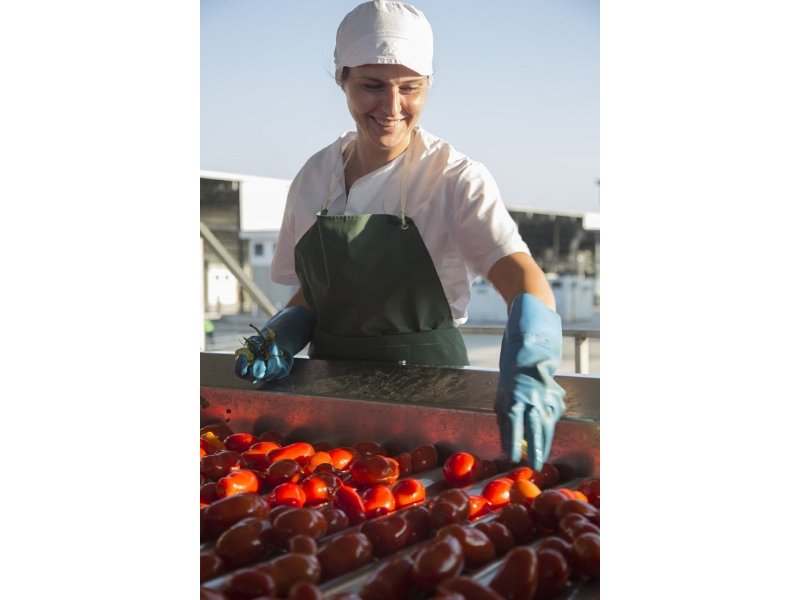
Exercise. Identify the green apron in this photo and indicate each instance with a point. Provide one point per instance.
(374, 289)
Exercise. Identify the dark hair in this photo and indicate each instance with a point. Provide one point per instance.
(343, 76)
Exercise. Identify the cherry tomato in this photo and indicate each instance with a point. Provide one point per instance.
(550, 476)
(390, 580)
(518, 574)
(420, 522)
(299, 521)
(367, 448)
(336, 518)
(237, 482)
(571, 525)
(580, 507)
(498, 491)
(580, 496)
(318, 458)
(207, 447)
(299, 451)
(342, 457)
(519, 521)
(586, 550)
(478, 547)
(287, 569)
(303, 544)
(423, 458)
(281, 471)
(523, 491)
(208, 493)
(555, 542)
(554, 571)
(221, 514)
(543, 508)
(214, 466)
(501, 536)
(217, 430)
(388, 535)
(437, 561)
(466, 587)
(304, 590)
(317, 490)
(239, 442)
(590, 487)
(408, 492)
(478, 506)
(461, 468)
(404, 460)
(378, 500)
(211, 566)
(449, 506)
(249, 583)
(343, 553)
(521, 473)
(347, 499)
(287, 494)
(372, 469)
(245, 542)
(255, 461)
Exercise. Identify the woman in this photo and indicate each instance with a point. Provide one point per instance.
(385, 229)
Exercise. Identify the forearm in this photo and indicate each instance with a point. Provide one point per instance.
(299, 299)
(518, 273)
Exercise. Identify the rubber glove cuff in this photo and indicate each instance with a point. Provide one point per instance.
(270, 354)
(529, 401)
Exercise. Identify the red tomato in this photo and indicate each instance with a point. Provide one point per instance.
(374, 469)
(239, 442)
(590, 487)
(283, 471)
(347, 499)
(320, 457)
(521, 473)
(317, 489)
(253, 460)
(550, 476)
(404, 460)
(287, 494)
(523, 491)
(378, 500)
(208, 493)
(424, 457)
(342, 457)
(478, 506)
(586, 550)
(364, 448)
(263, 447)
(207, 447)
(299, 451)
(461, 469)
(237, 482)
(214, 466)
(568, 493)
(498, 491)
(543, 508)
(408, 492)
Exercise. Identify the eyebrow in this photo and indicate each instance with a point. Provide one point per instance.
(401, 82)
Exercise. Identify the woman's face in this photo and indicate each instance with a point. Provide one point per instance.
(386, 101)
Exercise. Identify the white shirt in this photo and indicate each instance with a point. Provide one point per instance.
(454, 202)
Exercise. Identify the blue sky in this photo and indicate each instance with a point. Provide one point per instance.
(516, 87)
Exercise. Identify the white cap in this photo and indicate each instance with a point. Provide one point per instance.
(384, 32)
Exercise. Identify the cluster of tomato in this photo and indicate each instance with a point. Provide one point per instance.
(306, 514)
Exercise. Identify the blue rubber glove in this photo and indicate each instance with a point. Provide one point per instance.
(529, 401)
(270, 354)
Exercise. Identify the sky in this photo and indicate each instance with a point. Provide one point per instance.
(516, 87)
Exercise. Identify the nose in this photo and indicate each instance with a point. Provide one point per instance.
(393, 101)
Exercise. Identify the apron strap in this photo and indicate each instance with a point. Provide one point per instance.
(407, 159)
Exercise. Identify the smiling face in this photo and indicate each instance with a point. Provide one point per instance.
(386, 102)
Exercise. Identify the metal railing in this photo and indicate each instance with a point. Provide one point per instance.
(581, 339)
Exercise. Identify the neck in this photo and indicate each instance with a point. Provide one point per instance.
(367, 158)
